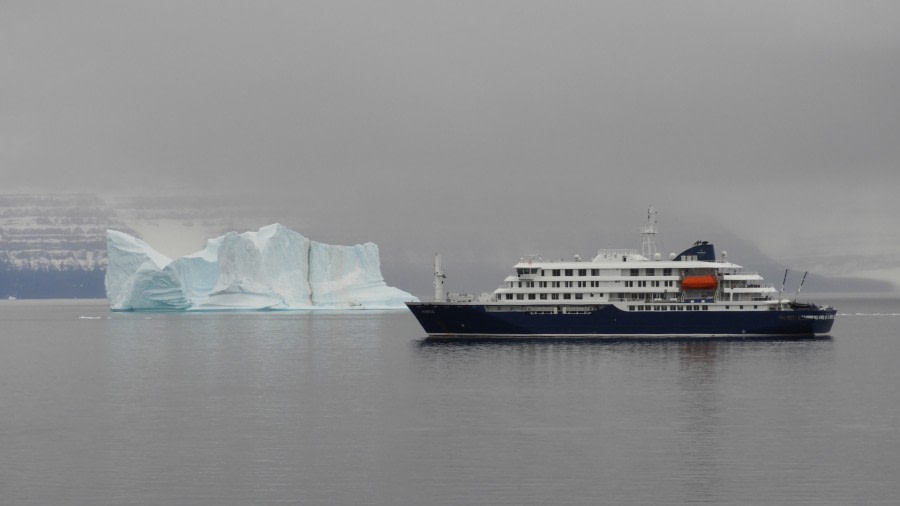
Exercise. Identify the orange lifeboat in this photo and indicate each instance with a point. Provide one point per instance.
(705, 282)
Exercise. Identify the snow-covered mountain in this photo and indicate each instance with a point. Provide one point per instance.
(55, 232)
(53, 245)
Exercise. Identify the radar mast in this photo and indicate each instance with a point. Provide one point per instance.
(648, 235)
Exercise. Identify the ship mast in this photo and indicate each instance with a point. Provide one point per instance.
(801, 286)
(438, 278)
(648, 235)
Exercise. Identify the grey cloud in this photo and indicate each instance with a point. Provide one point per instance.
(505, 125)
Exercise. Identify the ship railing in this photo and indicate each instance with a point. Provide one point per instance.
(616, 254)
(460, 297)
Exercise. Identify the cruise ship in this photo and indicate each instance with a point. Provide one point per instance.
(624, 293)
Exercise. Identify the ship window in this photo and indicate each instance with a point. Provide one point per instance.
(595, 272)
(556, 272)
(667, 272)
(582, 272)
(568, 272)
(520, 296)
(543, 296)
(567, 296)
(579, 296)
(706, 308)
(568, 284)
(554, 296)
(631, 308)
(651, 272)
(634, 272)
(530, 296)
(509, 296)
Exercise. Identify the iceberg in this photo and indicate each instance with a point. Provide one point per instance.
(270, 269)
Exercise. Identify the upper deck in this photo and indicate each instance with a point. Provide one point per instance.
(625, 275)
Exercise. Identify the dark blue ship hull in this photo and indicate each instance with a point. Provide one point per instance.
(479, 320)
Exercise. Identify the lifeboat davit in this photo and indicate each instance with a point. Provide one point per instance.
(705, 282)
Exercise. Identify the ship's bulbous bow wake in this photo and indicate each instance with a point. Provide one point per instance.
(273, 268)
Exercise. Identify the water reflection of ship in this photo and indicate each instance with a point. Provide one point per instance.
(713, 407)
(686, 351)
(685, 403)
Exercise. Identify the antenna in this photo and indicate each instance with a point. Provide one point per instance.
(801, 286)
(648, 234)
(783, 281)
(438, 278)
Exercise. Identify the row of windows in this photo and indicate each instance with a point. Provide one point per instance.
(550, 296)
(668, 308)
(680, 307)
(579, 296)
(653, 284)
(618, 296)
(586, 284)
(650, 272)
(807, 317)
(584, 272)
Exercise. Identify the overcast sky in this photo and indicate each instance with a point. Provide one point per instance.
(471, 124)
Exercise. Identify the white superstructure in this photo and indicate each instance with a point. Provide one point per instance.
(638, 281)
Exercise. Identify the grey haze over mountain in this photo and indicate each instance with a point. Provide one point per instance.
(485, 130)
(54, 246)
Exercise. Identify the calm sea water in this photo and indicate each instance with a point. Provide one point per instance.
(221, 408)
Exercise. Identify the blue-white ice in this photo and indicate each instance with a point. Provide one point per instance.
(273, 268)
